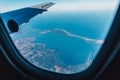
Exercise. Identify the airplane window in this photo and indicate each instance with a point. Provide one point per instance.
(62, 36)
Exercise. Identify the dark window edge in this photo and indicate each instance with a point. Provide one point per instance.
(107, 52)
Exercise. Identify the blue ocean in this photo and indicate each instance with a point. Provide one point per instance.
(73, 50)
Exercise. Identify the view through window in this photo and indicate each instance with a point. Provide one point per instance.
(66, 37)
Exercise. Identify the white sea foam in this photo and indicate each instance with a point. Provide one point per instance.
(64, 32)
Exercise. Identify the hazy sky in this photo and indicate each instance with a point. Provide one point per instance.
(6, 5)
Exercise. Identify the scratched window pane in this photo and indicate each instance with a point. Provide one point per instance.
(59, 35)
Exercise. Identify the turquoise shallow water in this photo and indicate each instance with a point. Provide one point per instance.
(88, 24)
(72, 50)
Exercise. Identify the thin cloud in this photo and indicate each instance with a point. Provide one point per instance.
(84, 6)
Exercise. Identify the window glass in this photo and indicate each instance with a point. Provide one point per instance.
(64, 38)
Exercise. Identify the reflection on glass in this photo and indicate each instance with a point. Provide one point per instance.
(67, 37)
